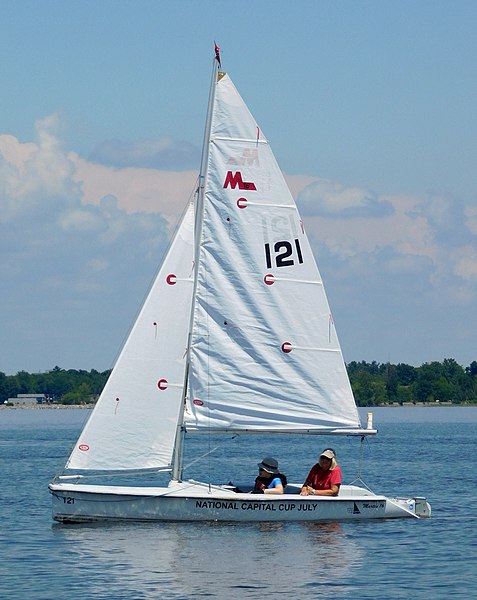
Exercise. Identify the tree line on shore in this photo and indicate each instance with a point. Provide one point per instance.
(373, 384)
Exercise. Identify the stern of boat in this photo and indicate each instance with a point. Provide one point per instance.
(417, 507)
(422, 508)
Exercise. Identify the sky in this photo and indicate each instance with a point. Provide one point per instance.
(370, 107)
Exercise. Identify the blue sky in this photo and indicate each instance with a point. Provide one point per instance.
(370, 107)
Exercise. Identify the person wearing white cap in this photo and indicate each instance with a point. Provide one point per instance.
(269, 480)
(324, 478)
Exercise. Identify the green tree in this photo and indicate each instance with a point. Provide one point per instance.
(472, 369)
(422, 388)
(406, 374)
(80, 395)
(7, 388)
(392, 382)
(367, 390)
(404, 394)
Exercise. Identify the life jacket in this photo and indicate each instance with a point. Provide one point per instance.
(262, 483)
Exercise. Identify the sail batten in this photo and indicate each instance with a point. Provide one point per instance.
(236, 139)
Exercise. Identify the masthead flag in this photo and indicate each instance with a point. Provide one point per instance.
(217, 54)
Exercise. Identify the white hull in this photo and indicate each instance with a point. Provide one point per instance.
(193, 501)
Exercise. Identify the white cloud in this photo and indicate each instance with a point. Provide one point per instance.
(15, 153)
(466, 263)
(471, 216)
(80, 242)
(431, 235)
(69, 268)
(34, 176)
(98, 264)
(328, 199)
(135, 189)
(79, 219)
(160, 153)
(402, 264)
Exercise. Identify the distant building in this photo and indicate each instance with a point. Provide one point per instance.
(29, 399)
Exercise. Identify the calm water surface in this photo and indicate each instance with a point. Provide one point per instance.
(419, 451)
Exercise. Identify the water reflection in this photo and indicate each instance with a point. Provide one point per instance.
(190, 559)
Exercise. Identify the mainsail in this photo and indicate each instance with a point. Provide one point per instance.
(264, 352)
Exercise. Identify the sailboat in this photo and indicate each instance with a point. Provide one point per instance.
(235, 335)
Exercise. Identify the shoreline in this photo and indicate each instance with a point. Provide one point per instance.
(48, 407)
(91, 406)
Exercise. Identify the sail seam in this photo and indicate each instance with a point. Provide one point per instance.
(317, 349)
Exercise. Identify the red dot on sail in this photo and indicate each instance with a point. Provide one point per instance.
(286, 347)
(269, 279)
(171, 279)
(162, 384)
(242, 202)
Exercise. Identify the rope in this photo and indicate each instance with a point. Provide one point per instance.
(359, 478)
(208, 453)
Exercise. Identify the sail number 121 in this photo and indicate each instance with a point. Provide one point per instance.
(283, 253)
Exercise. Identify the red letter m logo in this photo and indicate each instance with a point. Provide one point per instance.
(234, 179)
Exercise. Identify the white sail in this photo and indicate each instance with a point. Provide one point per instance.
(134, 422)
(264, 352)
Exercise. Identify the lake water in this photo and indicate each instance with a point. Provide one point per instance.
(419, 451)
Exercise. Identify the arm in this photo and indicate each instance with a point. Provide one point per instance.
(306, 488)
(333, 491)
(276, 489)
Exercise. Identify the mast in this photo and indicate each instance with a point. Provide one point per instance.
(199, 211)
